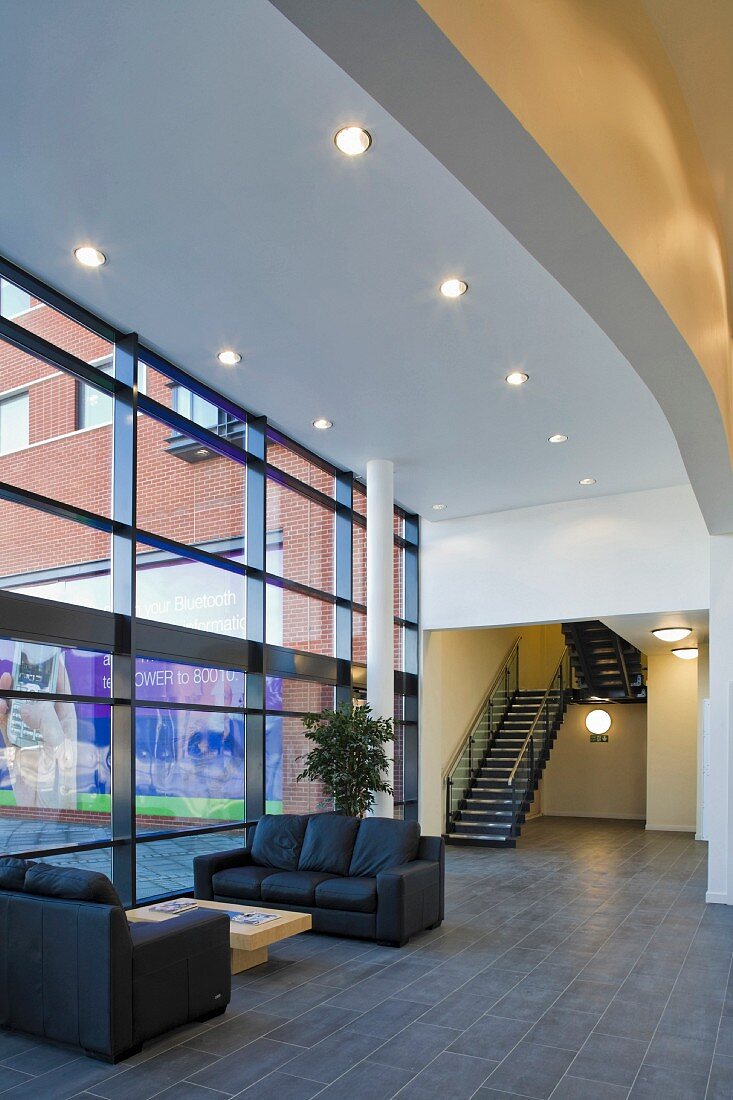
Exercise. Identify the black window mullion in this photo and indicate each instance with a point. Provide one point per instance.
(256, 558)
(124, 473)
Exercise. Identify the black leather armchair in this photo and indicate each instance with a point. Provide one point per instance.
(76, 973)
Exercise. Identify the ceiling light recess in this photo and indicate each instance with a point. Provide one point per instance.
(598, 721)
(352, 141)
(453, 288)
(559, 438)
(516, 378)
(587, 481)
(229, 358)
(439, 507)
(322, 423)
(686, 653)
(672, 633)
(89, 256)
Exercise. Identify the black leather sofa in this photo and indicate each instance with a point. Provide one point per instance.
(372, 879)
(73, 971)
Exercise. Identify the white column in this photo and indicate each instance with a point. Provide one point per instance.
(719, 793)
(380, 606)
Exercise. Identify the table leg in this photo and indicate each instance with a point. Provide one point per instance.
(245, 960)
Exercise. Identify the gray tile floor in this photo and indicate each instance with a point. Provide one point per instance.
(582, 966)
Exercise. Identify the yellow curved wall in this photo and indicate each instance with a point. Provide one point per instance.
(591, 82)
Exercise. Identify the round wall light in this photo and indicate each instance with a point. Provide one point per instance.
(598, 721)
(352, 141)
(672, 633)
(686, 653)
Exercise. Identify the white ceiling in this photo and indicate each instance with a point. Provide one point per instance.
(637, 629)
(196, 152)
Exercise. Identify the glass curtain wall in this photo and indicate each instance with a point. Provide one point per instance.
(179, 585)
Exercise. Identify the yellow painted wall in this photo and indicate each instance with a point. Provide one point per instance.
(458, 667)
(606, 780)
(672, 743)
(592, 83)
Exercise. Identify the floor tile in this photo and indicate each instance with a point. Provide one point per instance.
(367, 1081)
(576, 1088)
(531, 1070)
(415, 1046)
(658, 1083)
(721, 1079)
(456, 1076)
(563, 1029)
(334, 1056)
(492, 1037)
(680, 1052)
(278, 1086)
(609, 1058)
(388, 1018)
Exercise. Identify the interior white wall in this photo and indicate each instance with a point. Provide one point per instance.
(610, 555)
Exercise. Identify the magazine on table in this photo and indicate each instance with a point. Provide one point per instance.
(174, 907)
(249, 918)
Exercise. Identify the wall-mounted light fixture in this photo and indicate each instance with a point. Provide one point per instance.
(598, 721)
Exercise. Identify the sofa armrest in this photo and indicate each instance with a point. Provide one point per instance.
(433, 847)
(180, 971)
(408, 900)
(206, 866)
(158, 944)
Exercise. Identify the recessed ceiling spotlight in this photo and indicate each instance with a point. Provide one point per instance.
(229, 358)
(202, 452)
(322, 424)
(352, 140)
(587, 481)
(439, 507)
(88, 256)
(672, 633)
(686, 653)
(559, 438)
(517, 378)
(453, 288)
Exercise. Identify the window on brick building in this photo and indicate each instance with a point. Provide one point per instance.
(195, 408)
(13, 300)
(94, 406)
(14, 423)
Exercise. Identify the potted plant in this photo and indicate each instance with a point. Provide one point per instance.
(348, 756)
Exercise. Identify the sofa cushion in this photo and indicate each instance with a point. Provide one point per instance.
(356, 895)
(73, 883)
(12, 872)
(240, 882)
(328, 844)
(278, 839)
(381, 843)
(293, 887)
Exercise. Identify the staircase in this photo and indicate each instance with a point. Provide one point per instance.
(605, 664)
(493, 779)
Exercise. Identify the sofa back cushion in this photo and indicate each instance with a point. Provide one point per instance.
(382, 843)
(72, 883)
(328, 844)
(12, 872)
(278, 839)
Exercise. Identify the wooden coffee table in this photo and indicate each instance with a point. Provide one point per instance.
(248, 943)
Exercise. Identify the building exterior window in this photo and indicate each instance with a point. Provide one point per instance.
(244, 555)
(14, 423)
(13, 300)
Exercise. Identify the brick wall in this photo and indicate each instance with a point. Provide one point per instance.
(189, 502)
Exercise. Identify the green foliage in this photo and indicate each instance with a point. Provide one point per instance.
(348, 756)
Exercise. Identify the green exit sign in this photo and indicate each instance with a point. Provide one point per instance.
(599, 737)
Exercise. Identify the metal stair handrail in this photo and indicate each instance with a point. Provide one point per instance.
(540, 709)
(501, 674)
